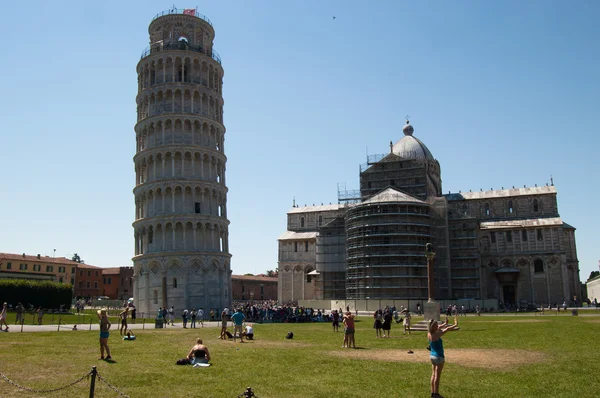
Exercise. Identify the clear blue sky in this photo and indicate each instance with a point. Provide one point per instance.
(503, 93)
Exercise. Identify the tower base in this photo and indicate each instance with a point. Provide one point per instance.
(431, 310)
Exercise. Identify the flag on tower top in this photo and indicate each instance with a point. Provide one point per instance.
(189, 11)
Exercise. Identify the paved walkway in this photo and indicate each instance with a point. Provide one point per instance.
(149, 323)
(95, 326)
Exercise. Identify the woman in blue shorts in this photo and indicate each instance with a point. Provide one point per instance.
(104, 328)
(434, 335)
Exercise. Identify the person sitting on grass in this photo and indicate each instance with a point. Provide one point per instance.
(129, 336)
(249, 332)
(199, 353)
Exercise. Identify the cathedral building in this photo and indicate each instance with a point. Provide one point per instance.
(509, 244)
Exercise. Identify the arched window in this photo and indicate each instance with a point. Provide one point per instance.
(540, 235)
(510, 206)
(487, 209)
(155, 296)
(538, 266)
(301, 222)
(509, 236)
(535, 205)
(174, 282)
(320, 220)
(306, 246)
(493, 236)
(464, 208)
(308, 276)
(524, 235)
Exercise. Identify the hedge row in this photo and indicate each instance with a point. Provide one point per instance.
(45, 294)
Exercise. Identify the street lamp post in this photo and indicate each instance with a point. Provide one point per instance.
(431, 309)
(430, 254)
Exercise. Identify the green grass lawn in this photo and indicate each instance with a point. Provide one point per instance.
(489, 357)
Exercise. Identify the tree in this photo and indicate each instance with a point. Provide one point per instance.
(593, 274)
(76, 258)
(248, 274)
(271, 273)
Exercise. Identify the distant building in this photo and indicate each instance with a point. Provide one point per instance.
(249, 287)
(88, 281)
(593, 289)
(507, 244)
(23, 266)
(117, 282)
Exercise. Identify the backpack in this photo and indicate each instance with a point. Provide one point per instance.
(290, 335)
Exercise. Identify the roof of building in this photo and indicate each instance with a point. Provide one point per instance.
(82, 265)
(111, 271)
(502, 193)
(524, 223)
(391, 194)
(409, 147)
(255, 278)
(291, 235)
(314, 209)
(45, 259)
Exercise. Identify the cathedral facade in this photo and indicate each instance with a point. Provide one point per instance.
(507, 244)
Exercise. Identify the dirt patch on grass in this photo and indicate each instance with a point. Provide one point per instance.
(275, 344)
(473, 358)
(514, 321)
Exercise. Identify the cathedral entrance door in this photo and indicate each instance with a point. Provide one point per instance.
(509, 294)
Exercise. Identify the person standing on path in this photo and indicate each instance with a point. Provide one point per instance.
(133, 314)
(238, 321)
(193, 318)
(172, 315)
(184, 318)
(3, 317)
(104, 334)
(19, 311)
(434, 335)
(40, 314)
(201, 316)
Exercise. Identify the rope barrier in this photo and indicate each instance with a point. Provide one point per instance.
(20, 387)
(115, 389)
(94, 373)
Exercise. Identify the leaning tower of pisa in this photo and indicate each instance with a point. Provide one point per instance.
(181, 228)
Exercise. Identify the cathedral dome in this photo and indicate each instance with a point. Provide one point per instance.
(410, 147)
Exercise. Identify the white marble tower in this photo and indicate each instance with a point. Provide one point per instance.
(181, 228)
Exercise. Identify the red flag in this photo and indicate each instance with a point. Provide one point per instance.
(189, 11)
